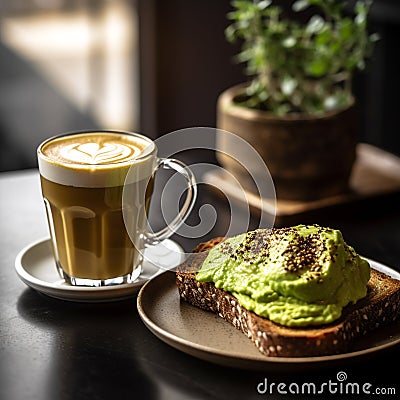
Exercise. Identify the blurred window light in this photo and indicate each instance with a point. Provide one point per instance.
(87, 50)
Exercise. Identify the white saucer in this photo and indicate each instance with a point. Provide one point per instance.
(35, 266)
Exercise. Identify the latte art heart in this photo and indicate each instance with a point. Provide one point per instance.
(94, 153)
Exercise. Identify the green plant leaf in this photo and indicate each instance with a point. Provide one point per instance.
(323, 37)
(300, 5)
(315, 24)
(288, 86)
(346, 30)
(262, 5)
(374, 37)
(318, 67)
(289, 42)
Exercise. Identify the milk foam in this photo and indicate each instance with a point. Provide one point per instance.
(97, 159)
(94, 153)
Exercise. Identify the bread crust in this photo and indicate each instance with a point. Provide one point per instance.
(379, 307)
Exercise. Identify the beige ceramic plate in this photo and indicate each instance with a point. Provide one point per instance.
(205, 335)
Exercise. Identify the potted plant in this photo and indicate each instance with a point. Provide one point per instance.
(298, 109)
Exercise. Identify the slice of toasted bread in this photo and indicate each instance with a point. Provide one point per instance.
(380, 306)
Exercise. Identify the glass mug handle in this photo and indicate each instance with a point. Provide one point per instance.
(151, 238)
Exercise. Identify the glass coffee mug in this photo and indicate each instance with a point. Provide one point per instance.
(97, 187)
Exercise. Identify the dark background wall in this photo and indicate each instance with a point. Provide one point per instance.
(193, 63)
(185, 63)
(378, 88)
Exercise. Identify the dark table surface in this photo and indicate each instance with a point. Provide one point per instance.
(54, 349)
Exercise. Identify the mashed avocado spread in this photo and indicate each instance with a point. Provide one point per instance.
(297, 276)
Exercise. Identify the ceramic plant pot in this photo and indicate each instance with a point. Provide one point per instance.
(308, 157)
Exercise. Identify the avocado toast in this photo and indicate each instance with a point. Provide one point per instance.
(379, 305)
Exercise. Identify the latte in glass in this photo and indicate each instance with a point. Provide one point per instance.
(97, 187)
(82, 178)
